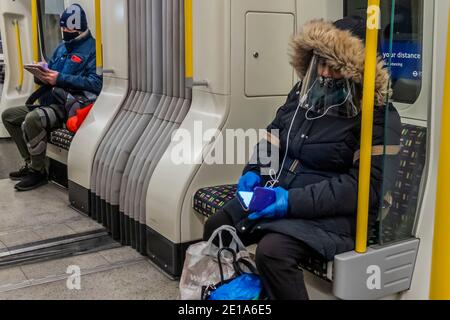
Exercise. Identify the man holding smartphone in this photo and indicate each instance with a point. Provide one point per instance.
(71, 70)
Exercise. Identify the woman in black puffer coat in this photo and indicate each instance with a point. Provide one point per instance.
(317, 188)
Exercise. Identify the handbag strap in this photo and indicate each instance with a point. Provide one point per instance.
(236, 241)
(36, 96)
(236, 264)
(219, 258)
(250, 266)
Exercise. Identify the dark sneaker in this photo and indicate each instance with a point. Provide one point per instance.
(19, 175)
(32, 181)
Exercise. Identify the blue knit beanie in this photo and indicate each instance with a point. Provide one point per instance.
(70, 20)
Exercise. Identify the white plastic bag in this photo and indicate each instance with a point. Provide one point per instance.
(201, 267)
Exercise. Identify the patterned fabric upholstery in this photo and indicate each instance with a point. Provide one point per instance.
(397, 223)
(61, 138)
(208, 201)
(2, 65)
(2, 73)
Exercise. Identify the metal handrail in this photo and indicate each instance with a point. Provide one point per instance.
(98, 36)
(189, 70)
(35, 30)
(19, 55)
(373, 25)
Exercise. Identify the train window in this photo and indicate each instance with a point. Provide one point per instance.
(406, 68)
(50, 11)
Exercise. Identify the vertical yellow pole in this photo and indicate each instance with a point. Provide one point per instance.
(98, 36)
(34, 30)
(373, 25)
(189, 42)
(440, 277)
(19, 55)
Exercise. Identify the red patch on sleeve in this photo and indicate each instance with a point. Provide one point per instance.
(76, 59)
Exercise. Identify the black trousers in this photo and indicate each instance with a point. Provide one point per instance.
(277, 259)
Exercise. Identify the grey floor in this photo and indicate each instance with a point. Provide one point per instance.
(41, 214)
(118, 274)
(10, 159)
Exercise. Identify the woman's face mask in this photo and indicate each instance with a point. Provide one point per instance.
(327, 92)
(330, 96)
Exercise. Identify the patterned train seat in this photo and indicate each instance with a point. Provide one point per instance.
(2, 73)
(61, 138)
(397, 224)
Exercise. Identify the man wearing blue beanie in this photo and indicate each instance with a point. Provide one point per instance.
(70, 76)
(74, 20)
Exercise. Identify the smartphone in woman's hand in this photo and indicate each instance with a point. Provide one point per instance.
(258, 200)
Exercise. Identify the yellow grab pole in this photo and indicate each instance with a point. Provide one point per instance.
(440, 277)
(189, 42)
(19, 55)
(98, 36)
(373, 25)
(34, 30)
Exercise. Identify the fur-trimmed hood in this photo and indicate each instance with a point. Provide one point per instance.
(344, 52)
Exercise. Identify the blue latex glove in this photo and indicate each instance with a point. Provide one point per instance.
(277, 210)
(249, 182)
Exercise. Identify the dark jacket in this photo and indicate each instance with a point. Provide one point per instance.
(323, 187)
(76, 63)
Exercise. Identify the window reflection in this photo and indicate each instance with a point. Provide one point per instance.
(50, 11)
(407, 44)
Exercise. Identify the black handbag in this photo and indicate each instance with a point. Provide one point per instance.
(73, 100)
(69, 100)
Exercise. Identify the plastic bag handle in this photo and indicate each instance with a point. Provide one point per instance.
(239, 246)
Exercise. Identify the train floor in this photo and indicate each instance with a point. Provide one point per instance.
(9, 158)
(29, 221)
(38, 215)
(31, 218)
(34, 216)
(117, 274)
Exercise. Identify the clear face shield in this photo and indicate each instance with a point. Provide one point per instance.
(326, 93)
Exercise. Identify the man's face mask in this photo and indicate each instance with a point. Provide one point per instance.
(327, 96)
(69, 36)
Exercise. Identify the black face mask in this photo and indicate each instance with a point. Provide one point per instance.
(327, 92)
(69, 36)
(332, 97)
